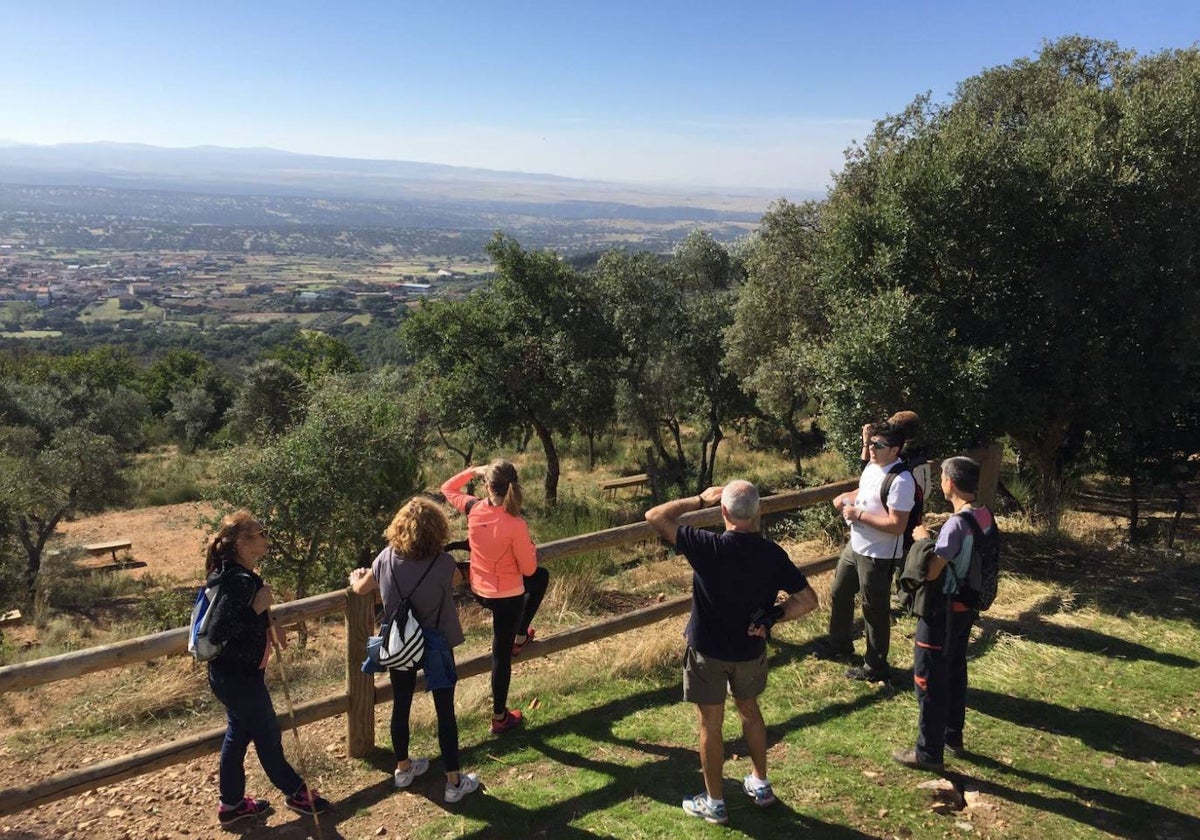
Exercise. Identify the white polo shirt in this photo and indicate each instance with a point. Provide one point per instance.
(868, 540)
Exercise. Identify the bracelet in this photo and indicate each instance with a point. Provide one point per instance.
(700, 499)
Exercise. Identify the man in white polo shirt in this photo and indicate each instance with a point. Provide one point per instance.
(876, 541)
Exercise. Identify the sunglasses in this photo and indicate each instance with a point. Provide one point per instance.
(879, 444)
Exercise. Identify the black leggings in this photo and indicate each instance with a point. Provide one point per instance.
(404, 683)
(510, 615)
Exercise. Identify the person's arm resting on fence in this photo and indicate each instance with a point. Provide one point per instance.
(363, 581)
(665, 517)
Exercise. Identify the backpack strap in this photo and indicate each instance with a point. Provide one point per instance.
(976, 531)
(421, 579)
(977, 535)
(889, 478)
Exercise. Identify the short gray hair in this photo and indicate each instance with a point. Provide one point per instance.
(740, 500)
(963, 473)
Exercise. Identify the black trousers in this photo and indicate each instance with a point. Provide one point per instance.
(511, 617)
(940, 681)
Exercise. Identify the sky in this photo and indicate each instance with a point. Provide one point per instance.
(698, 93)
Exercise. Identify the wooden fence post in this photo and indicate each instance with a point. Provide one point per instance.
(360, 687)
(989, 472)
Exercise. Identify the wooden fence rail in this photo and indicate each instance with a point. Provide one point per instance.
(362, 692)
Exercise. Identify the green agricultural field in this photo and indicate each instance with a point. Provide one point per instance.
(32, 334)
(110, 310)
(272, 317)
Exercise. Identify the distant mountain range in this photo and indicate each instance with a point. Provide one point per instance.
(259, 171)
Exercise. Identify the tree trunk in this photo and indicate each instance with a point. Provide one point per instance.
(591, 436)
(1133, 506)
(1044, 450)
(302, 576)
(1180, 504)
(551, 482)
(708, 457)
(33, 541)
(795, 446)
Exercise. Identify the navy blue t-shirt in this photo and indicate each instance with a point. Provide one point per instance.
(735, 573)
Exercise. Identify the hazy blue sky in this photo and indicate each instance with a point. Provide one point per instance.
(733, 93)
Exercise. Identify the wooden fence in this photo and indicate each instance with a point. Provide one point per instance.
(363, 692)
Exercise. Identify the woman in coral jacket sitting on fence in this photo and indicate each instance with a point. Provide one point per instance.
(504, 572)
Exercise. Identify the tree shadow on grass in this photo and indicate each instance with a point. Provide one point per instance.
(666, 776)
(1116, 582)
(1104, 810)
(1031, 624)
(1130, 738)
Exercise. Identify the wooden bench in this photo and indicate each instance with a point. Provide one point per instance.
(612, 485)
(96, 549)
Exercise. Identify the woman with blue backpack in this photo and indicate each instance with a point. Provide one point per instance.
(240, 626)
(414, 568)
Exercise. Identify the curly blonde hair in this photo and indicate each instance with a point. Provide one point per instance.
(419, 530)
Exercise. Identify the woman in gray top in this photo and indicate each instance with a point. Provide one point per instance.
(414, 566)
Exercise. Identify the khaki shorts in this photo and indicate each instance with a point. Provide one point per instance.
(706, 680)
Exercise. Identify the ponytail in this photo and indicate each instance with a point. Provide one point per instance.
(501, 480)
(512, 499)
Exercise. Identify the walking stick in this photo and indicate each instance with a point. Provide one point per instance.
(287, 696)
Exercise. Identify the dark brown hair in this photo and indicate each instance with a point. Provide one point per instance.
(891, 434)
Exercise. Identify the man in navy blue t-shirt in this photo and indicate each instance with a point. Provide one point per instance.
(736, 579)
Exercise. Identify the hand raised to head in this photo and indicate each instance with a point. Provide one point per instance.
(712, 495)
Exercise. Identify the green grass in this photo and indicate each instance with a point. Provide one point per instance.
(1080, 724)
(32, 334)
(166, 476)
(1083, 716)
(110, 310)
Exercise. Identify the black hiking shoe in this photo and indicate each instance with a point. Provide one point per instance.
(826, 650)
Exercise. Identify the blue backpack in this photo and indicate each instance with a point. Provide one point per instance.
(199, 645)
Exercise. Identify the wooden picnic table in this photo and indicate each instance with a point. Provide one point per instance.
(112, 547)
(612, 485)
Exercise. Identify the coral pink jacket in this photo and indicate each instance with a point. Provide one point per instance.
(501, 548)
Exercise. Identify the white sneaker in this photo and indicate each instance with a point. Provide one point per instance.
(467, 783)
(404, 778)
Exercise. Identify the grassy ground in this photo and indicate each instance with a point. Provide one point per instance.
(110, 310)
(1083, 721)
